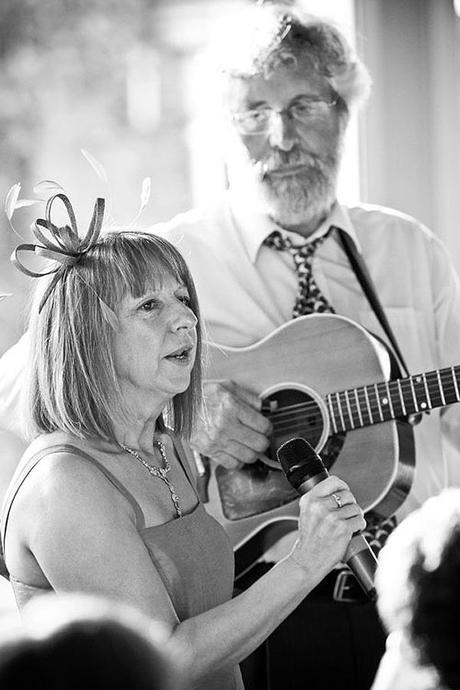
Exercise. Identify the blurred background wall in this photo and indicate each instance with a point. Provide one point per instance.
(127, 81)
(410, 131)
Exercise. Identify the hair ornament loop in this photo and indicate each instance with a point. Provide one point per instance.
(62, 245)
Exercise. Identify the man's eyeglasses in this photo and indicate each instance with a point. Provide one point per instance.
(303, 111)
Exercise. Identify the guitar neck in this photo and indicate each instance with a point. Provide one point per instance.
(388, 400)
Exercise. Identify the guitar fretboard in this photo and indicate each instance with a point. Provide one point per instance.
(382, 402)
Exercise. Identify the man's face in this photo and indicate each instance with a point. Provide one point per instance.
(294, 162)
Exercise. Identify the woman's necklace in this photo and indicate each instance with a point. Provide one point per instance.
(159, 472)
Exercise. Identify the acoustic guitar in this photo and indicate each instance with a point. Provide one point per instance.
(327, 379)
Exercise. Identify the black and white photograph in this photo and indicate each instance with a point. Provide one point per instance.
(229, 344)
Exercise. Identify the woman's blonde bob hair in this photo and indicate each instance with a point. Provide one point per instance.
(72, 384)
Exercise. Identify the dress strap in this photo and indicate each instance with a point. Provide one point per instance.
(138, 512)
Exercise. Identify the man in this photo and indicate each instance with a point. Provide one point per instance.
(291, 83)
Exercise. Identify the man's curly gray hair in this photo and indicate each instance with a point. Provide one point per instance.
(275, 33)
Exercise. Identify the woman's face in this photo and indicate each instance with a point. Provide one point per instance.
(155, 344)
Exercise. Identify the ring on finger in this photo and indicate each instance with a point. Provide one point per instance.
(337, 500)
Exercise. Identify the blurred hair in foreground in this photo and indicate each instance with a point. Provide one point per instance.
(418, 584)
(71, 642)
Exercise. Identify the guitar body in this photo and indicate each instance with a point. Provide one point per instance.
(294, 369)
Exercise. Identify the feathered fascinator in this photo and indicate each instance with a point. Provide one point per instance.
(63, 245)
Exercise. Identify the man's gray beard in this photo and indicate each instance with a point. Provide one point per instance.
(302, 198)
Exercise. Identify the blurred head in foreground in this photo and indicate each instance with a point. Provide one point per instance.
(72, 642)
(418, 585)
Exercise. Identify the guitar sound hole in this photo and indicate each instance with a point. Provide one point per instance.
(292, 413)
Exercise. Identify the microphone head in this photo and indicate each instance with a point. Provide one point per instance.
(299, 461)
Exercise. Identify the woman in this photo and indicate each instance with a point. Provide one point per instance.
(121, 649)
(104, 501)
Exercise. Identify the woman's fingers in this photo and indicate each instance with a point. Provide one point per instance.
(329, 486)
(338, 499)
(325, 527)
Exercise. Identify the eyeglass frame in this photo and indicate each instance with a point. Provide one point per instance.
(237, 122)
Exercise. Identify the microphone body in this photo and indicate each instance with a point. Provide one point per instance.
(304, 469)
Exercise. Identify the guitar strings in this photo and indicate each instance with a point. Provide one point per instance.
(353, 404)
(290, 422)
(300, 406)
(298, 426)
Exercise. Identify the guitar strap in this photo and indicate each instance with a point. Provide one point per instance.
(357, 263)
(377, 529)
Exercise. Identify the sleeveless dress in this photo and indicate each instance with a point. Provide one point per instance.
(192, 554)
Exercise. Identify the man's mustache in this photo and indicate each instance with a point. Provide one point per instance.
(279, 159)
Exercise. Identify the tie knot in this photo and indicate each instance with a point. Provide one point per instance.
(277, 241)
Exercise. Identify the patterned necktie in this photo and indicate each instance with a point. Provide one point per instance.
(310, 300)
(309, 297)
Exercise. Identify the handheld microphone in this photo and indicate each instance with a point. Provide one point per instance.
(304, 469)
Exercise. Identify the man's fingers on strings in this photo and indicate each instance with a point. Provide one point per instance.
(245, 395)
(234, 455)
(253, 419)
(251, 439)
(226, 460)
(234, 402)
(243, 448)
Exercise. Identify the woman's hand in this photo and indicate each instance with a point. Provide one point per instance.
(329, 516)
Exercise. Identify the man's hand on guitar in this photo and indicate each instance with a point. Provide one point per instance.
(329, 516)
(233, 430)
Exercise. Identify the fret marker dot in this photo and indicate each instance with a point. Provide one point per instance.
(423, 405)
(384, 401)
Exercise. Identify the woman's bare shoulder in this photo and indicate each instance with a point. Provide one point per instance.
(65, 479)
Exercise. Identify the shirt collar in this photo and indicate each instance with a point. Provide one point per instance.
(254, 226)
